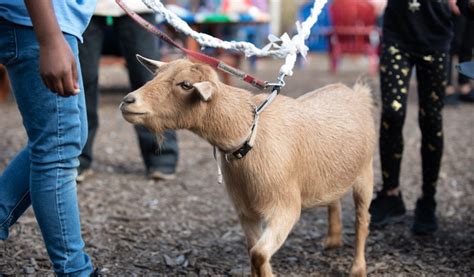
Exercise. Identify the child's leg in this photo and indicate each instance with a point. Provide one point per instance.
(395, 71)
(57, 129)
(432, 75)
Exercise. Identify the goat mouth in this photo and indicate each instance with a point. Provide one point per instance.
(125, 112)
(133, 113)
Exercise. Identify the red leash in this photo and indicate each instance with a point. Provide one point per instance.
(196, 55)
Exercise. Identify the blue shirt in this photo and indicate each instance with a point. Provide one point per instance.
(73, 16)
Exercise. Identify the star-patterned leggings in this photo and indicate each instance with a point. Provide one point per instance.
(431, 72)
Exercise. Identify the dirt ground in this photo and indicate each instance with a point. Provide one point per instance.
(136, 227)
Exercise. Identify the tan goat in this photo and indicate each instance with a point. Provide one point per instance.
(308, 151)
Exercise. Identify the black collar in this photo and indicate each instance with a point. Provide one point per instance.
(250, 140)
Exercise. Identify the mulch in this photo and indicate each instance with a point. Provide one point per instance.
(133, 226)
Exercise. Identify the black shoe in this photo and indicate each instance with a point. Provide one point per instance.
(451, 99)
(468, 97)
(386, 209)
(97, 272)
(425, 217)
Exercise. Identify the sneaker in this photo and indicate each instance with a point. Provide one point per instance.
(467, 97)
(97, 272)
(159, 175)
(425, 222)
(386, 209)
(83, 174)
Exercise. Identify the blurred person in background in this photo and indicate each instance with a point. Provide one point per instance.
(416, 34)
(462, 46)
(467, 9)
(160, 161)
(39, 48)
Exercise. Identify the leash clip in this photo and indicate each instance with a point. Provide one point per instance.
(277, 85)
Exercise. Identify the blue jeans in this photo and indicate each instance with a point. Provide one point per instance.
(43, 173)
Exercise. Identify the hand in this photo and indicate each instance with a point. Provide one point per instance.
(58, 67)
(454, 8)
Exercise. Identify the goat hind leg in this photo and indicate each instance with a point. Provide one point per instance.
(274, 235)
(362, 194)
(334, 237)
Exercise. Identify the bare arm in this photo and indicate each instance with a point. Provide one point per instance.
(58, 67)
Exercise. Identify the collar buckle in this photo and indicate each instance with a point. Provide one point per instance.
(242, 151)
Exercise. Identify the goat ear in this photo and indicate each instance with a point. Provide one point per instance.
(205, 89)
(150, 64)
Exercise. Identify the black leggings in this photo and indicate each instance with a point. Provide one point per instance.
(395, 70)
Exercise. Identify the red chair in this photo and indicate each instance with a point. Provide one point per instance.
(354, 32)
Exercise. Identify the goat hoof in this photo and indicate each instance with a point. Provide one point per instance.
(332, 242)
(358, 271)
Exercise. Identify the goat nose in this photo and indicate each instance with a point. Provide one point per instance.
(129, 99)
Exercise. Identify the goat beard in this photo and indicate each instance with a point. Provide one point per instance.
(160, 140)
(159, 134)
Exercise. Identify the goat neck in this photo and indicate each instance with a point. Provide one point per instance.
(228, 119)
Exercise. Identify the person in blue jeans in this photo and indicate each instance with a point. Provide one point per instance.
(160, 160)
(39, 47)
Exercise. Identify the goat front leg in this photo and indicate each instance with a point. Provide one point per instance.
(252, 229)
(362, 194)
(334, 237)
(279, 225)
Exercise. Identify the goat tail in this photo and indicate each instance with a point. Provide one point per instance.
(362, 88)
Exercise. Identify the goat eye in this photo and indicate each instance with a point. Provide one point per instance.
(185, 85)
